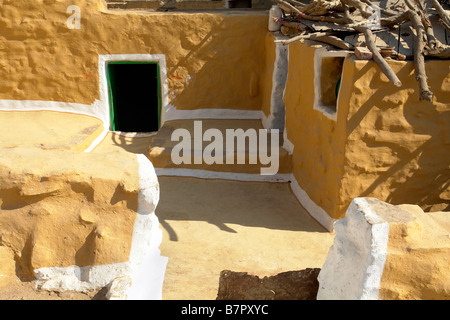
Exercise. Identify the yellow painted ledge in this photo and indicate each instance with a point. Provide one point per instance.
(48, 130)
(60, 208)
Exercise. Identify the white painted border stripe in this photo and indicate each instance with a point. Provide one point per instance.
(362, 228)
(97, 141)
(93, 109)
(207, 174)
(314, 210)
(370, 286)
(288, 145)
(172, 113)
(79, 278)
(148, 265)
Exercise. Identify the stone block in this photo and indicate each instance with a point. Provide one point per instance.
(387, 252)
(290, 285)
(76, 221)
(363, 53)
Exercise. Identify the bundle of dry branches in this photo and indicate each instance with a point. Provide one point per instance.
(344, 16)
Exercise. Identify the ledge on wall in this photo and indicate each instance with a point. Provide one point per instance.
(77, 221)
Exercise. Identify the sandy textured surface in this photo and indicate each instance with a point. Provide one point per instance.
(213, 225)
(48, 130)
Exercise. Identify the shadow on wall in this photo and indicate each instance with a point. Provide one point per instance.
(223, 63)
(435, 174)
(413, 138)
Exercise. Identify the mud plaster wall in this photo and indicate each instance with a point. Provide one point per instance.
(38, 187)
(213, 60)
(318, 155)
(398, 148)
(385, 143)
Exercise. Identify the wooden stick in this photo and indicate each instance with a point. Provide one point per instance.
(335, 41)
(323, 18)
(442, 13)
(419, 46)
(377, 57)
(419, 59)
(308, 7)
(389, 22)
(321, 37)
(432, 41)
(290, 24)
(290, 8)
(319, 8)
(286, 6)
(418, 18)
(442, 51)
(296, 3)
(383, 11)
(302, 37)
(359, 5)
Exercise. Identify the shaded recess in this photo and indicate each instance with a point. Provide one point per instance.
(134, 96)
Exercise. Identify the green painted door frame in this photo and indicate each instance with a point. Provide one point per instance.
(110, 81)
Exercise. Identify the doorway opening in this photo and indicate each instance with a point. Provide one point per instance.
(134, 89)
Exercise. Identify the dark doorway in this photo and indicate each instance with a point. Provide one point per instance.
(134, 96)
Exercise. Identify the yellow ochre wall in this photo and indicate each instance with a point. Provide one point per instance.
(398, 147)
(385, 143)
(318, 155)
(213, 60)
(61, 208)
